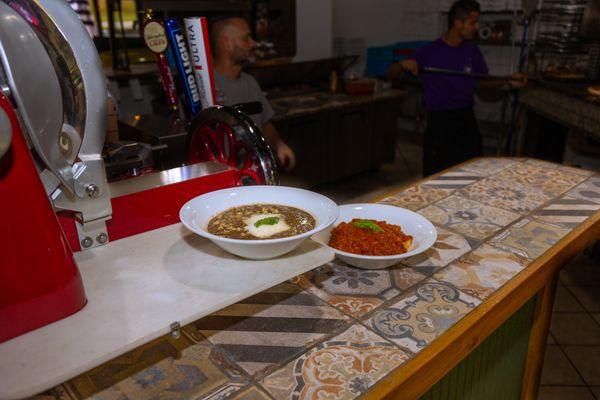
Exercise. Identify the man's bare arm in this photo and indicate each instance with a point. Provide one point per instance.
(397, 69)
(285, 155)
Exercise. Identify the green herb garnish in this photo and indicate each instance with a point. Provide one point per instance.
(367, 224)
(266, 221)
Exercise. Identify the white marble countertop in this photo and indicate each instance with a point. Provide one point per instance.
(136, 288)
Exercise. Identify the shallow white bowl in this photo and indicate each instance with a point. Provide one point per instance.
(196, 213)
(423, 232)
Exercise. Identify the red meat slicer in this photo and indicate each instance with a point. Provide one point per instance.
(53, 116)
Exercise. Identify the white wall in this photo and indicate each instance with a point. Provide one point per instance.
(314, 29)
(382, 22)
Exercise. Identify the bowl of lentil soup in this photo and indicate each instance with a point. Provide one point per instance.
(274, 220)
(394, 232)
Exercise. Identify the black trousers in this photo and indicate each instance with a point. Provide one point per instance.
(451, 137)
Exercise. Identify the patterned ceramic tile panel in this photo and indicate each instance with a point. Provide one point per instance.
(508, 195)
(488, 166)
(343, 367)
(551, 165)
(529, 238)
(470, 218)
(453, 180)
(268, 328)
(422, 314)
(416, 197)
(163, 368)
(356, 291)
(588, 190)
(483, 271)
(551, 180)
(448, 247)
(251, 393)
(567, 211)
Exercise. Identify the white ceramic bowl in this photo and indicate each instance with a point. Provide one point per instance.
(423, 232)
(196, 213)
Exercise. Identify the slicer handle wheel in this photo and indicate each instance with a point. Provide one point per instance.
(226, 135)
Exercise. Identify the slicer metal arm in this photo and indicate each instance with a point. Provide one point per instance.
(60, 92)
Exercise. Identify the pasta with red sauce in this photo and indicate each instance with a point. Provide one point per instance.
(370, 238)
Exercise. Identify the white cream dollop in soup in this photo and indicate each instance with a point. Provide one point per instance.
(265, 231)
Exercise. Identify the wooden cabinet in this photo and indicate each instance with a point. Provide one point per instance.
(350, 142)
(335, 144)
(385, 129)
(305, 135)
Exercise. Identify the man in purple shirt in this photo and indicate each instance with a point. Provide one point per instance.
(452, 135)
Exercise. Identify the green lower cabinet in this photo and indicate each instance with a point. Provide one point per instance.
(494, 370)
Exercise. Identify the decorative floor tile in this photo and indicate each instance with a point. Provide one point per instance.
(508, 195)
(585, 359)
(575, 329)
(567, 211)
(588, 190)
(416, 197)
(488, 166)
(447, 248)
(529, 238)
(557, 370)
(268, 328)
(163, 368)
(483, 271)
(422, 314)
(343, 367)
(468, 217)
(357, 291)
(551, 180)
(453, 180)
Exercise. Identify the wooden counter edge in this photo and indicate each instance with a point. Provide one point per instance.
(413, 379)
(536, 348)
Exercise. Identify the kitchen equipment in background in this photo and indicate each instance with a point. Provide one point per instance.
(360, 86)
(334, 82)
(354, 47)
(565, 74)
(590, 31)
(125, 159)
(304, 76)
(54, 98)
(558, 30)
(529, 7)
(495, 32)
